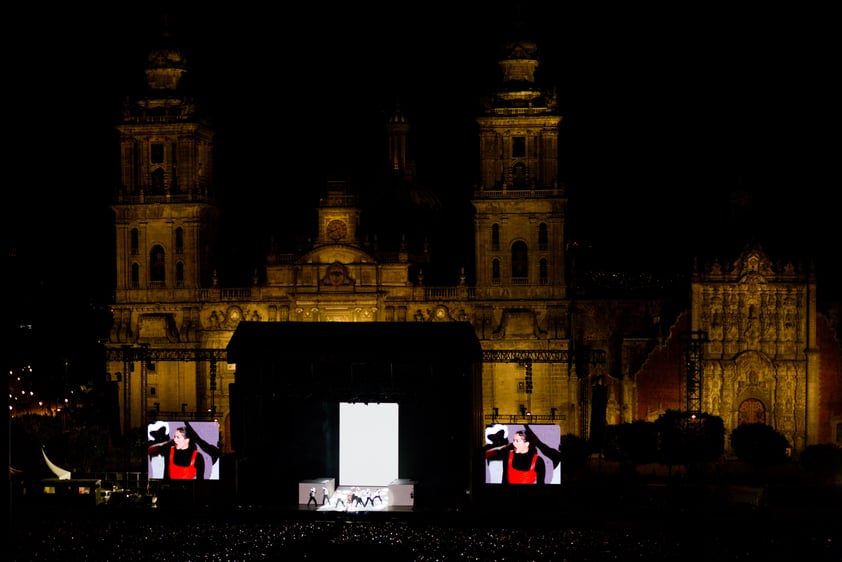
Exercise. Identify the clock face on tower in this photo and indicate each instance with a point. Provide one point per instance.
(337, 230)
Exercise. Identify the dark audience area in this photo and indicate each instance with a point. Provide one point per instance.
(604, 531)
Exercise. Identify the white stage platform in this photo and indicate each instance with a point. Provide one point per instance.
(399, 493)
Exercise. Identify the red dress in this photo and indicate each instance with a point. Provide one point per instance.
(178, 472)
(522, 476)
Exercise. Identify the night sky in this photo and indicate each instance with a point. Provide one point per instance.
(667, 115)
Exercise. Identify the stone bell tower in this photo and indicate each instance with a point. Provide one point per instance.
(165, 214)
(519, 229)
(165, 220)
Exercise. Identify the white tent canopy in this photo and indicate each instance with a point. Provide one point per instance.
(60, 473)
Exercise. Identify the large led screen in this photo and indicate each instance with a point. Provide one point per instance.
(522, 454)
(368, 444)
(183, 450)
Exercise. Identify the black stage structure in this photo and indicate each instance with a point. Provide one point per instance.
(291, 376)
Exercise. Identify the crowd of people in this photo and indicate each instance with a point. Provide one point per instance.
(228, 538)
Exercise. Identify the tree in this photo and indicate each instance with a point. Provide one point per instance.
(689, 440)
(87, 448)
(574, 455)
(635, 443)
(759, 444)
(822, 462)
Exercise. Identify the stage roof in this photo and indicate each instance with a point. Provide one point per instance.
(427, 342)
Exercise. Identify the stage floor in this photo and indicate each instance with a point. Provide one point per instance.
(350, 500)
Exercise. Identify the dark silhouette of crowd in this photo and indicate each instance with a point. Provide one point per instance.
(172, 537)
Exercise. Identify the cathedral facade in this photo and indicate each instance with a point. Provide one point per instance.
(751, 345)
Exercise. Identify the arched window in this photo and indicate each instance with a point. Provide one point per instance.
(495, 237)
(520, 260)
(543, 236)
(543, 273)
(179, 240)
(157, 265)
(134, 241)
(135, 276)
(158, 181)
(495, 271)
(174, 167)
(156, 153)
(519, 179)
(518, 147)
(179, 274)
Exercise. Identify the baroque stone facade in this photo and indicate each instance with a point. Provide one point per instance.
(760, 357)
(547, 345)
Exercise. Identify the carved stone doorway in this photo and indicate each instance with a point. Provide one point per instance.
(751, 411)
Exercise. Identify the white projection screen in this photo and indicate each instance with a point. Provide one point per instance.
(368, 444)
